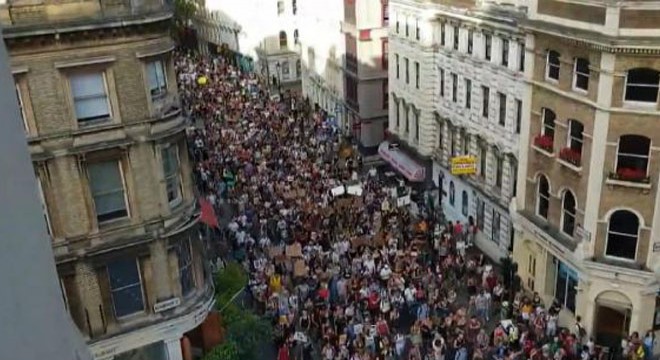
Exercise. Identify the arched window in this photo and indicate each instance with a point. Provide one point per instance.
(452, 194)
(632, 158)
(548, 128)
(464, 203)
(543, 197)
(622, 235)
(642, 85)
(568, 213)
(283, 40)
(552, 65)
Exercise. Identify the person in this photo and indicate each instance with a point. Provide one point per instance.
(283, 352)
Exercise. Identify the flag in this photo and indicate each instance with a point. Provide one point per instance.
(208, 213)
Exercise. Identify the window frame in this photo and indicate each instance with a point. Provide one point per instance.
(456, 37)
(407, 64)
(521, 56)
(485, 101)
(571, 138)
(140, 284)
(44, 206)
(501, 98)
(499, 169)
(468, 93)
(385, 52)
(417, 75)
(647, 156)
(488, 47)
(418, 34)
(465, 203)
(577, 74)
(504, 61)
(280, 7)
(175, 175)
(21, 106)
(565, 212)
(519, 112)
(443, 34)
(283, 38)
(442, 82)
(452, 193)
(161, 89)
(549, 66)
(454, 87)
(470, 41)
(640, 102)
(545, 127)
(637, 236)
(94, 120)
(386, 94)
(189, 266)
(496, 230)
(540, 197)
(122, 177)
(397, 60)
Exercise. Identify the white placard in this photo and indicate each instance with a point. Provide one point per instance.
(354, 190)
(338, 191)
(403, 201)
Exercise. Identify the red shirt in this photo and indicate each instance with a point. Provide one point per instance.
(283, 354)
(324, 293)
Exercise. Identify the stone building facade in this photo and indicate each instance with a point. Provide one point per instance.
(457, 89)
(587, 209)
(98, 97)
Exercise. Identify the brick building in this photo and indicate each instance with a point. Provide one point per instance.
(588, 212)
(98, 98)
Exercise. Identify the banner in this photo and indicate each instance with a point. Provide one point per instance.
(464, 165)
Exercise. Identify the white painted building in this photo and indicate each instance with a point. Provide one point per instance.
(457, 89)
(265, 30)
(322, 51)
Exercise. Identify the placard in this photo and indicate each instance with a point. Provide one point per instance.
(464, 165)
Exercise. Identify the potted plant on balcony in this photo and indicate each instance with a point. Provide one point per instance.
(571, 156)
(544, 142)
(631, 175)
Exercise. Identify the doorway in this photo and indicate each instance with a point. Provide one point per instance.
(612, 319)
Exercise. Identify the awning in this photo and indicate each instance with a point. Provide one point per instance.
(402, 162)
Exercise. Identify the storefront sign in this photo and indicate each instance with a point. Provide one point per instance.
(463, 165)
(166, 305)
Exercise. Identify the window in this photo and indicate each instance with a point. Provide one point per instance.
(488, 44)
(456, 33)
(642, 85)
(485, 99)
(452, 143)
(406, 112)
(44, 206)
(186, 274)
(157, 78)
(552, 66)
(21, 107)
(581, 74)
(90, 97)
(106, 182)
(417, 31)
(514, 176)
(295, 37)
(548, 128)
(285, 69)
(396, 60)
(416, 75)
(622, 235)
(633, 153)
(521, 58)
(566, 286)
(386, 97)
(280, 7)
(468, 93)
(505, 52)
(443, 34)
(502, 108)
(442, 82)
(518, 115)
(398, 113)
(407, 28)
(464, 203)
(298, 69)
(125, 287)
(452, 198)
(385, 12)
(465, 143)
(441, 138)
(407, 70)
(415, 114)
(568, 213)
(495, 227)
(499, 169)
(454, 87)
(575, 138)
(483, 156)
(470, 41)
(543, 197)
(294, 7)
(283, 40)
(172, 172)
(481, 214)
(398, 25)
(385, 53)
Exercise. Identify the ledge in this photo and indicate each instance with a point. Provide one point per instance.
(566, 164)
(543, 152)
(628, 184)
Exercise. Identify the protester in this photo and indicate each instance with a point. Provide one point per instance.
(351, 276)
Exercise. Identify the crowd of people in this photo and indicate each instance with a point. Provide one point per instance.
(347, 274)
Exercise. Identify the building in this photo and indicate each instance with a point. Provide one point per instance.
(98, 100)
(32, 305)
(588, 212)
(322, 51)
(365, 65)
(457, 87)
(264, 30)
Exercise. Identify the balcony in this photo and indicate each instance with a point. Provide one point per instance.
(37, 16)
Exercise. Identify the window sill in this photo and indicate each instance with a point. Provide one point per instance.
(92, 123)
(628, 184)
(543, 152)
(632, 104)
(580, 90)
(566, 164)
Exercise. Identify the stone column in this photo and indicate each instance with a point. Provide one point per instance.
(159, 264)
(173, 349)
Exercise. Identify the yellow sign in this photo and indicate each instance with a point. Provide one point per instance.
(463, 165)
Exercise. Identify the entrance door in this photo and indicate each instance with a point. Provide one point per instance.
(612, 319)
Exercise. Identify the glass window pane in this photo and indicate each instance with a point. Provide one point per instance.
(104, 177)
(92, 108)
(85, 85)
(123, 273)
(622, 246)
(128, 300)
